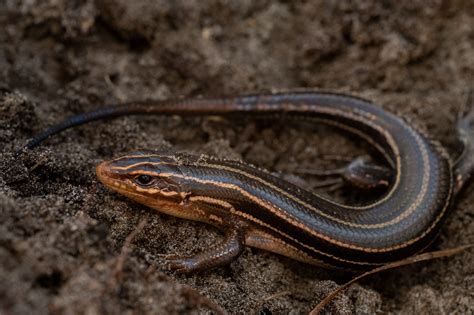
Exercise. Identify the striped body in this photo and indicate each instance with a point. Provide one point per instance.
(275, 215)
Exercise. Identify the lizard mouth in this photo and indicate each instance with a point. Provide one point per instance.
(166, 203)
(110, 179)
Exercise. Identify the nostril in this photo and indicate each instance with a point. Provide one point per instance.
(100, 170)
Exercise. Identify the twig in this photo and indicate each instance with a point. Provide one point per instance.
(117, 273)
(404, 262)
(199, 299)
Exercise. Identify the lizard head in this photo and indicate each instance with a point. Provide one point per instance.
(148, 177)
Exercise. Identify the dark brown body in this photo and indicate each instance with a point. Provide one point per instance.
(257, 209)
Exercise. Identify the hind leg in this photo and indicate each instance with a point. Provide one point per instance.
(361, 173)
(464, 166)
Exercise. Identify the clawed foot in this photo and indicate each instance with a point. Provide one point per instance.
(214, 256)
(360, 172)
(179, 263)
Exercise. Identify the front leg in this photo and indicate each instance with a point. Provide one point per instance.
(218, 255)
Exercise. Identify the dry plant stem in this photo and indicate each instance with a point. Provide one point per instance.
(273, 296)
(404, 262)
(116, 276)
(199, 299)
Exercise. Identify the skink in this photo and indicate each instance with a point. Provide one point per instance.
(254, 208)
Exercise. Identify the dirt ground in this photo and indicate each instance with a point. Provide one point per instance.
(62, 234)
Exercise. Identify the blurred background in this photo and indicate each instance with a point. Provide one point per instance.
(61, 233)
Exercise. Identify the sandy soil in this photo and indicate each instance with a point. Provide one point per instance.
(62, 234)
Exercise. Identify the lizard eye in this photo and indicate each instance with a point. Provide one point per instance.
(144, 180)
